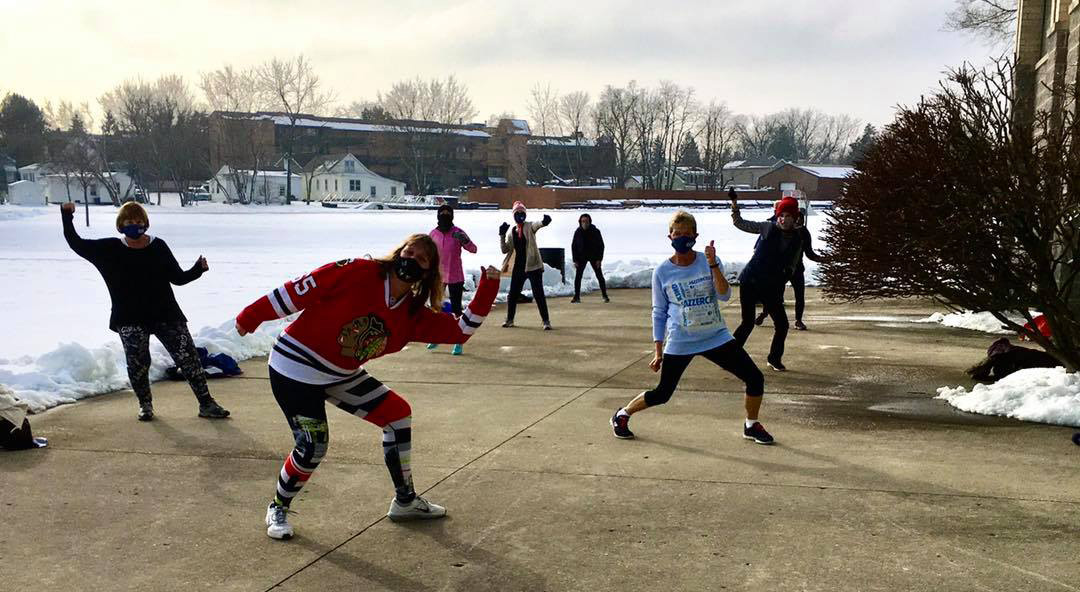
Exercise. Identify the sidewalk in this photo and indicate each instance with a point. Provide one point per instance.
(873, 485)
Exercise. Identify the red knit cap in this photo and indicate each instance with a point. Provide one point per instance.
(789, 205)
(518, 206)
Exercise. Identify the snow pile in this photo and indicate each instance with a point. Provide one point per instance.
(1045, 395)
(976, 321)
(13, 212)
(73, 372)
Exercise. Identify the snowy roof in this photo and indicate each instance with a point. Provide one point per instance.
(549, 141)
(521, 127)
(360, 126)
(498, 180)
(827, 171)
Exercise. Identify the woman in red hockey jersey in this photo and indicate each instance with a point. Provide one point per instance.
(354, 311)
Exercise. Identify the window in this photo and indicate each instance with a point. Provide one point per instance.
(335, 185)
(372, 191)
(281, 191)
(393, 191)
(349, 166)
(354, 185)
(93, 190)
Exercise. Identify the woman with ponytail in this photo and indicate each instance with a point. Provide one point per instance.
(356, 310)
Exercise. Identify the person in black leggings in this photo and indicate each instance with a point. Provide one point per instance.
(138, 270)
(523, 262)
(587, 247)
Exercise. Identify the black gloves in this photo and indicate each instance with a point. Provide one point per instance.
(503, 228)
(461, 237)
(731, 193)
(546, 220)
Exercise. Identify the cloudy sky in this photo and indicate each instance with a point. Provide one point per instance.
(860, 57)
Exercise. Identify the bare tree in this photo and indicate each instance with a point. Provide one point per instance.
(677, 112)
(228, 89)
(543, 108)
(424, 114)
(993, 20)
(293, 87)
(718, 135)
(615, 120)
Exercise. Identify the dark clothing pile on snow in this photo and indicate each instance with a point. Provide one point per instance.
(1004, 358)
(213, 365)
(138, 279)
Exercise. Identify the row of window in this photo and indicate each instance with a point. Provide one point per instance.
(355, 185)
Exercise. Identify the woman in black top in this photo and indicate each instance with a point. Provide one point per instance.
(798, 278)
(138, 270)
(587, 247)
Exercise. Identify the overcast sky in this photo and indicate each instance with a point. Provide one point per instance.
(860, 57)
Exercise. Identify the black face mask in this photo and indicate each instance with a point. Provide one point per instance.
(408, 270)
(519, 217)
(446, 221)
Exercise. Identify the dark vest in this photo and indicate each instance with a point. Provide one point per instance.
(773, 262)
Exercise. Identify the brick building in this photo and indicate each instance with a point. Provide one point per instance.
(428, 156)
(1047, 44)
(817, 181)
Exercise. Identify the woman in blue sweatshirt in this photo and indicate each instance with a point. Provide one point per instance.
(686, 290)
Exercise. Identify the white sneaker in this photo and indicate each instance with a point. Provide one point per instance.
(277, 522)
(418, 509)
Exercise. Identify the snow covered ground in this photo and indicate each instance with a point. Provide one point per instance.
(1046, 395)
(55, 346)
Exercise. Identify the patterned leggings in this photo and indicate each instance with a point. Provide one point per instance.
(304, 406)
(177, 341)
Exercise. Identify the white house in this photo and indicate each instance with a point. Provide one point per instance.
(26, 193)
(241, 185)
(342, 177)
(59, 187)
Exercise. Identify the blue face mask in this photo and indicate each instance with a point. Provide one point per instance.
(683, 244)
(133, 231)
(519, 217)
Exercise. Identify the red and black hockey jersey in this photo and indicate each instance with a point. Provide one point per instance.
(347, 319)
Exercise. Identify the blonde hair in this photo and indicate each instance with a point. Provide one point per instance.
(430, 288)
(133, 212)
(682, 218)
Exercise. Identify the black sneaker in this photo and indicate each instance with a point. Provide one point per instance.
(776, 365)
(146, 411)
(620, 426)
(575, 300)
(606, 299)
(508, 324)
(211, 410)
(800, 326)
(760, 318)
(757, 433)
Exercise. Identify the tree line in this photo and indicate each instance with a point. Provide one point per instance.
(158, 131)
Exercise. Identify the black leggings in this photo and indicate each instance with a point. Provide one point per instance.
(773, 301)
(731, 357)
(177, 341)
(455, 291)
(580, 265)
(798, 287)
(517, 282)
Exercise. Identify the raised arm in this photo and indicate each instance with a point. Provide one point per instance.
(747, 225)
(87, 249)
(506, 242)
(464, 240)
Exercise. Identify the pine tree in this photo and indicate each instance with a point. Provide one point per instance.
(691, 157)
(863, 144)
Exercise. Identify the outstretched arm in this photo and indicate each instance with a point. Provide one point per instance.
(444, 327)
(808, 250)
(294, 296)
(87, 249)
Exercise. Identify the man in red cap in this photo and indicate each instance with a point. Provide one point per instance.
(776, 255)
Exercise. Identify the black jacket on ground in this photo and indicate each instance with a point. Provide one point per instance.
(138, 279)
(588, 245)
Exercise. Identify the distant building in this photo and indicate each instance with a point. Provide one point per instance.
(1047, 56)
(747, 172)
(264, 186)
(467, 154)
(342, 177)
(817, 181)
(57, 187)
(26, 193)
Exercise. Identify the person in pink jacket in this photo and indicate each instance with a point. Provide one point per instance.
(450, 240)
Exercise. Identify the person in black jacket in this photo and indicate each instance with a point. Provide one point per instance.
(587, 247)
(138, 270)
(798, 279)
(776, 254)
